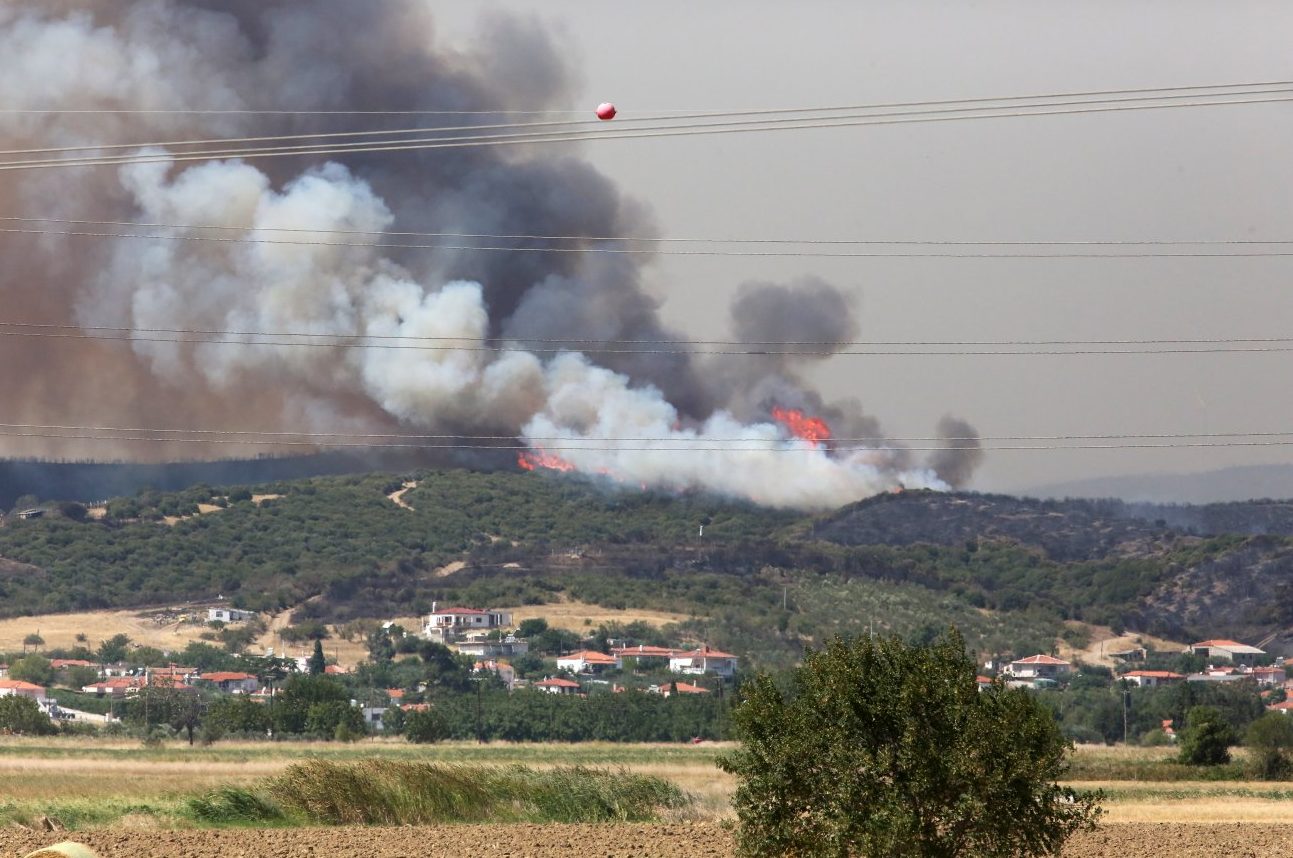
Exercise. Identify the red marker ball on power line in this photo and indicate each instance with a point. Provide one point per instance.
(606, 110)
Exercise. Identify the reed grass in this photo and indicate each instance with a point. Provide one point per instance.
(392, 792)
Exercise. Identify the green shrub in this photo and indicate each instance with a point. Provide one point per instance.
(1270, 738)
(425, 726)
(1206, 738)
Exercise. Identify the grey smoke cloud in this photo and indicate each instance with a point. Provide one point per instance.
(337, 55)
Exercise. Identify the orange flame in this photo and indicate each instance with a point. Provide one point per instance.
(531, 459)
(812, 429)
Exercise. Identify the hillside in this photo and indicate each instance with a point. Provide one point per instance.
(1008, 571)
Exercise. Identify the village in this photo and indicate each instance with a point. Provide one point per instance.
(486, 642)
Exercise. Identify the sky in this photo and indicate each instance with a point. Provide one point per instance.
(1201, 173)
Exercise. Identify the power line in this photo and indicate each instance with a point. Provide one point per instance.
(534, 440)
(477, 248)
(899, 242)
(1156, 94)
(660, 342)
(596, 350)
(743, 126)
(783, 446)
(496, 112)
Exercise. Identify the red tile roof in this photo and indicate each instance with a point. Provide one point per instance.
(589, 656)
(472, 611)
(19, 685)
(60, 663)
(1220, 643)
(1286, 706)
(1157, 674)
(685, 688)
(227, 676)
(334, 670)
(556, 682)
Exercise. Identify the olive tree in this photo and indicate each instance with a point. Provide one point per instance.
(1207, 737)
(882, 748)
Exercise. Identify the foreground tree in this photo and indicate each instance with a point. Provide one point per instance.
(1207, 737)
(882, 748)
(23, 716)
(1270, 739)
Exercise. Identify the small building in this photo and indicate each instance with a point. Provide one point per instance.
(1273, 677)
(228, 615)
(703, 660)
(1039, 667)
(118, 686)
(1218, 677)
(232, 682)
(1283, 708)
(31, 513)
(502, 669)
(1153, 678)
(643, 654)
(171, 675)
(1227, 650)
(983, 682)
(588, 661)
(1168, 730)
(680, 687)
(556, 686)
(373, 716)
(18, 688)
(64, 663)
(508, 647)
(335, 670)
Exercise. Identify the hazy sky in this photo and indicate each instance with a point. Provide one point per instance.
(1202, 173)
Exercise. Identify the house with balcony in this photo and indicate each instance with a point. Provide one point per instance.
(1039, 667)
(588, 661)
(706, 659)
(445, 625)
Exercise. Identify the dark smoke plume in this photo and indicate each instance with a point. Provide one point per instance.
(249, 55)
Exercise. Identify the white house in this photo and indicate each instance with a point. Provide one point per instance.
(504, 670)
(18, 688)
(228, 615)
(1153, 678)
(1227, 650)
(445, 624)
(556, 686)
(1039, 667)
(588, 661)
(703, 660)
(1272, 676)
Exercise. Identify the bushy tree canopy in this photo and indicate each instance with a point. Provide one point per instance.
(882, 748)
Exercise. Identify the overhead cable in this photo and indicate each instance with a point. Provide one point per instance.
(739, 126)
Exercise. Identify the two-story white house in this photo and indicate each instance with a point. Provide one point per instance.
(703, 660)
(232, 682)
(447, 624)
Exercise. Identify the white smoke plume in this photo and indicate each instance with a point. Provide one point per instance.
(624, 416)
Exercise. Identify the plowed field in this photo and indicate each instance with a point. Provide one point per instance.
(1125, 840)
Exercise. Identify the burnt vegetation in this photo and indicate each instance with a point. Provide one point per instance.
(765, 582)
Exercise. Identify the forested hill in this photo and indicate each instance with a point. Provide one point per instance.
(767, 582)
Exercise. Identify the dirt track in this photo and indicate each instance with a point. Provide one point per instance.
(1127, 840)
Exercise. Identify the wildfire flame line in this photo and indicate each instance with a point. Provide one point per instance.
(533, 459)
(812, 429)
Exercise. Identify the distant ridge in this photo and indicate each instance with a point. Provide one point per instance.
(95, 481)
(1249, 482)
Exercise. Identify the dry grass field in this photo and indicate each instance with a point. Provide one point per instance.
(580, 617)
(127, 800)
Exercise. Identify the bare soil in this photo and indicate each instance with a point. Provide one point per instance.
(671, 840)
